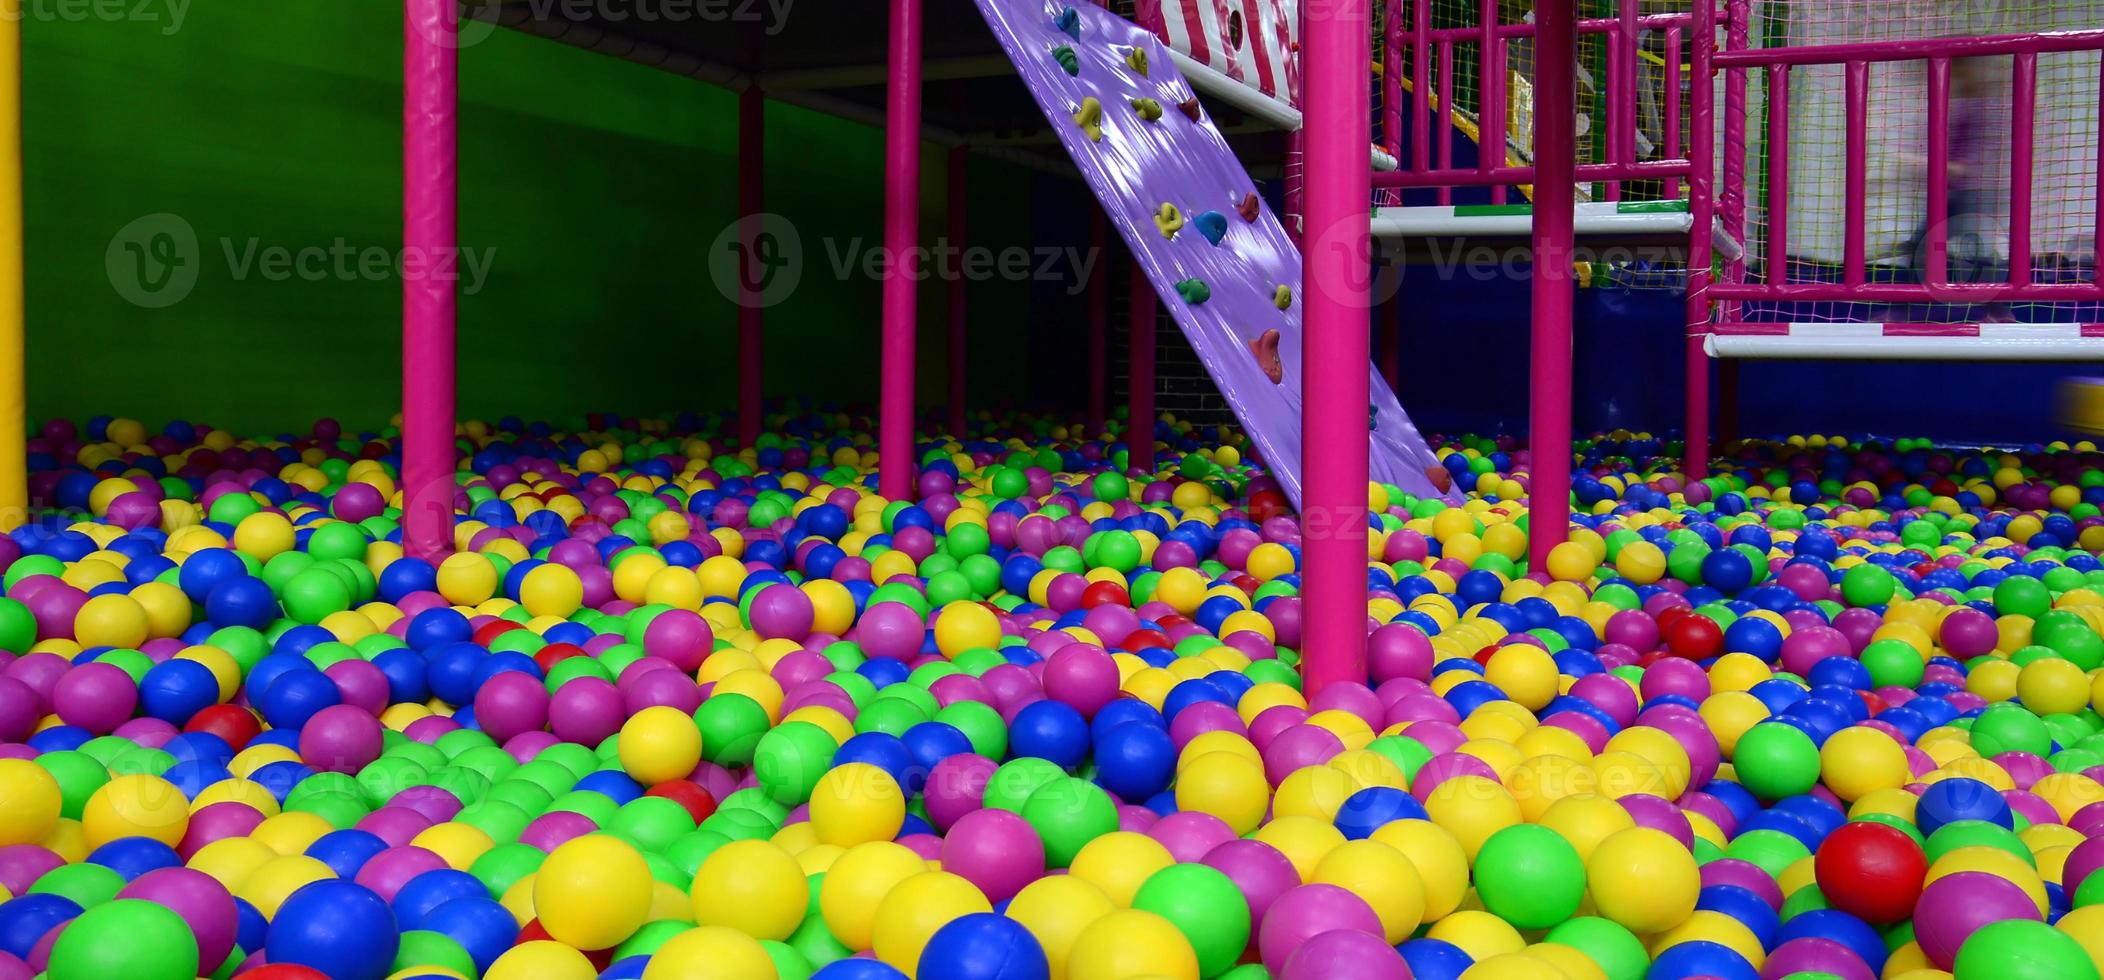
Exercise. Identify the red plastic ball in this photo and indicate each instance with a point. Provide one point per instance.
(697, 801)
(231, 722)
(1694, 637)
(489, 631)
(555, 653)
(1870, 871)
(284, 971)
(1104, 593)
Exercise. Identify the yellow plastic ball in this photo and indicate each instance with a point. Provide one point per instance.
(1572, 562)
(592, 892)
(752, 886)
(857, 803)
(1479, 934)
(659, 743)
(541, 960)
(1856, 762)
(1587, 819)
(111, 621)
(1226, 785)
(913, 910)
(711, 951)
(30, 802)
(1129, 945)
(2050, 686)
(467, 578)
(1527, 674)
(1472, 808)
(1384, 877)
(136, 806)
(1056, 910)
(271, 883)
(1643, 880)
(552, 590)
(1441, 865)
(1119, 863)
(964, 625)
(860, 879)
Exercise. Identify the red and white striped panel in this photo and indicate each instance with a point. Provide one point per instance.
(1909, 341)
(1255, 42)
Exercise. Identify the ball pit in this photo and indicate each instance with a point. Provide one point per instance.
(677, 707)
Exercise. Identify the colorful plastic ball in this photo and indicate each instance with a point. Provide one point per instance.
(1345, 953)
(592, 892)
(711, 951)
(125, 938)
(1776, 761)
(1067, 814)
(30, 802)
(996, 850)
(136, 806)
(206, 908)
(541, 960)
(1384, 877)
(1530, 876)
(983, 946)
(337, 927)
(2021, 950)
(857, 882)
(659, 743)
(1618, 953)
(1131, 944)
(1950, 800)
(1203, 904)
(1955, 906)
(911, 913)
(1644, 880)
(481, 926)
(1871, 871)
(857, 803)
(1308, 911)
(752, 886)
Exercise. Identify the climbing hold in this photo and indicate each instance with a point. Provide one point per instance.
(1249, 208)
(1211, 224)
(1265, 350)
(1148, 109)
(1190, 108)
(1194, 291)
(1067, 59)
(1282, 297)
(1168, 219)
(1137, 61)
(1373, 418)
(1441, 477)
(1090, 118)
(1068, 22)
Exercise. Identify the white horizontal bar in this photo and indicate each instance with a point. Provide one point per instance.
(1856, 344)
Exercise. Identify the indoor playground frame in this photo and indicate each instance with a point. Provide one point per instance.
(1712, 46)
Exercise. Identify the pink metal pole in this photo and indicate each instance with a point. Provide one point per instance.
(430, 188)
(1490, 105)
(1334, 358)
(1420, 84)
(1139, 433)
(1623, 102)
(1738, 30)
(957, 168)
(1444, 194)
(1099, 322)
(1936, 242)
(1613, 142)
(1672, 120)
(1778, 174)
(1392, 81)
(1555, 138)
(2023, 120)
(1855, 167)
(902, 128)
(752, 201)
(2097, 246)
(1701, 211)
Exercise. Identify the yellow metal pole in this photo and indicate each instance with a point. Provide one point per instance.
(14, 421)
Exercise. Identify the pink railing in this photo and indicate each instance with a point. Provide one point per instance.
(1855, 60)
(1433, 53)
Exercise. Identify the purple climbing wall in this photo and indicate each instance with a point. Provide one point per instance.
(1216, 255)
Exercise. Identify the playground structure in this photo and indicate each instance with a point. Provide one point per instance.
(1699, 130)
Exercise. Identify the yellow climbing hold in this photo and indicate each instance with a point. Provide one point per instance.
(1282, 297)
(1090, 118)
(1148, 109)
(1137, 61)
(1169, 220)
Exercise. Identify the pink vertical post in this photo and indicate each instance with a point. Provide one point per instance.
(1779, 173)
(1701, 211)
(1936, 238)
(1490, 104)
(2023, 121)
(1855, 171)
(430, 188)
(1334, 361)
(1420, 84)
(957, 168)
(901, 231)
(1444, 195)
(1555, 162)
(1672, 120)
(2098, 244)
(1613, 143)
(1738, 32)
(1392, 82)
(1621, 94)
(1099, 322)
(752, 200)
(1139, 432)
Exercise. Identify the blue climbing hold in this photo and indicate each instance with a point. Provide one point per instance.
(1068, 22)
(1211, 224)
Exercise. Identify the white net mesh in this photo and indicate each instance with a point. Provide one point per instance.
(1896, 196)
